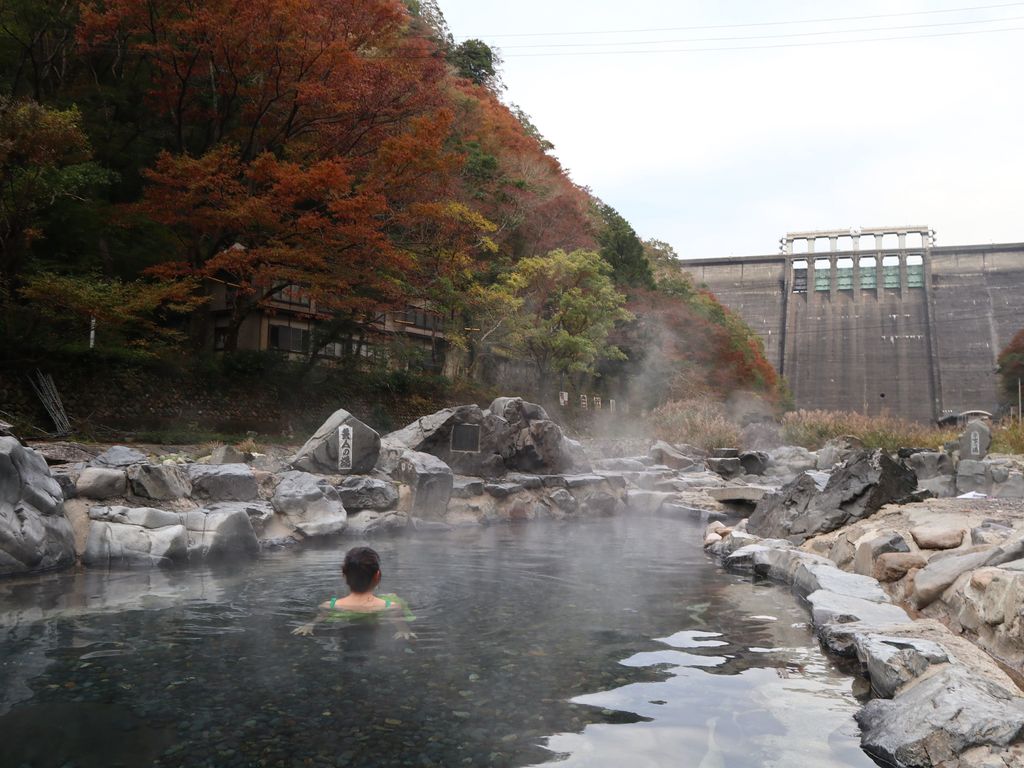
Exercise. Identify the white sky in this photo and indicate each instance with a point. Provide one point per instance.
(721, 153)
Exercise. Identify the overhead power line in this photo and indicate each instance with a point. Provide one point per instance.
(775, 36)
(819, 44)
(964, 9)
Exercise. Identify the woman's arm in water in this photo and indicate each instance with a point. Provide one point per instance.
(307, 629)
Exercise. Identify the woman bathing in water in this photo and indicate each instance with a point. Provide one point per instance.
(361, 570)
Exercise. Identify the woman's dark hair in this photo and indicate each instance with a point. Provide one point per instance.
(360, 566)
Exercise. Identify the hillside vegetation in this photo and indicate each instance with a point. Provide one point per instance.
(151, 149)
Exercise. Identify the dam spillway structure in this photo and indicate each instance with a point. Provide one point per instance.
(879, 320)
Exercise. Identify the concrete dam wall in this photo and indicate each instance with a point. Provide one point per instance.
(907, 331)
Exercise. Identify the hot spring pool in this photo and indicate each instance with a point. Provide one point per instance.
(608, 642)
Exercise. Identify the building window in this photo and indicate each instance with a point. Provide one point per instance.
(800, 276)
(868, 273)
(891, 271)
(288, 339)
(417, 317)
(822, 275)
(915, 271)
(844, 274)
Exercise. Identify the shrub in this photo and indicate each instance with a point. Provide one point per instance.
(701, 423)
(812, 429)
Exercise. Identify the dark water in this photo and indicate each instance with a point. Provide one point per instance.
(608, 642)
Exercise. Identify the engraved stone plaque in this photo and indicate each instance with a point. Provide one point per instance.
(466, 438)
(344, 448)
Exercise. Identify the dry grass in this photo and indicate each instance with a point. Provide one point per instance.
(702, 423)
(812, 429)
(1008, 437)
(249, 445)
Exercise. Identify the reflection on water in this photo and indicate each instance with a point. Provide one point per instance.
(592, 643)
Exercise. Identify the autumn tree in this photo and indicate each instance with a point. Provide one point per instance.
(1011, 366)
(567, 306)
(44, 158)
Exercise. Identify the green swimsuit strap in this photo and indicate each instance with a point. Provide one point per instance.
(333, 600)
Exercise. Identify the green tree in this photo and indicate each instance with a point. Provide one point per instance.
(45, 158)
(475, 60)
(567, 306)
(623, 250)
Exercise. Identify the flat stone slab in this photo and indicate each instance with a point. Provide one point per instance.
(466, 487)
(119, 456)
(502, 490)
(829, 607)
(748, 493)
(937, 537)
(579, 481)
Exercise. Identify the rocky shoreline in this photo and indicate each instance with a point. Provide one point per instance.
(926, 593)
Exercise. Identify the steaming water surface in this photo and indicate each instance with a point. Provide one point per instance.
(602, 643)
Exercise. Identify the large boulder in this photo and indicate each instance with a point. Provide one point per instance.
(119, 457)
(858, 488)
(310, 504)
(101, 483)
(343, 445)
(430, 481)
(223, 482)
(34, 533)
(160, 482)
(939, 717)
(134, 537)
(469, 440)
(367, 493)
(219, 533)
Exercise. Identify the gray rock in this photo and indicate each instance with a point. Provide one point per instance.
(725, 453)
(619, 465)
(975, 441)
(469, 440)
(614, 479)
(990, 533)
(466, 487)
(67, 479)
(502, 490)
(34, 533)
(228, 454)
(666, 454)
(1011, 488)
(942, 487)
(223, 482)
(435, 526)
(937, 536)
(754, 462)
(369, 522)
(646, 502)
(600, 503)
(940, 717)
(343, 445)
(120, 545)
(856, 490)
(564, 500)
(161, 482)
(219, 533)
(529, 482)
(809, 577)
(516, 412)
(430, 480)
(869, 551)
(748, 493)
(142, 517)
(101, 483)
(725, 466)
(260, 513)
(359, 492)
(932, 580)
(581, 481)
(973, 475)
(310, 504)
(829, 607)
(928, 465)
(892, 662)
(119, 456)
